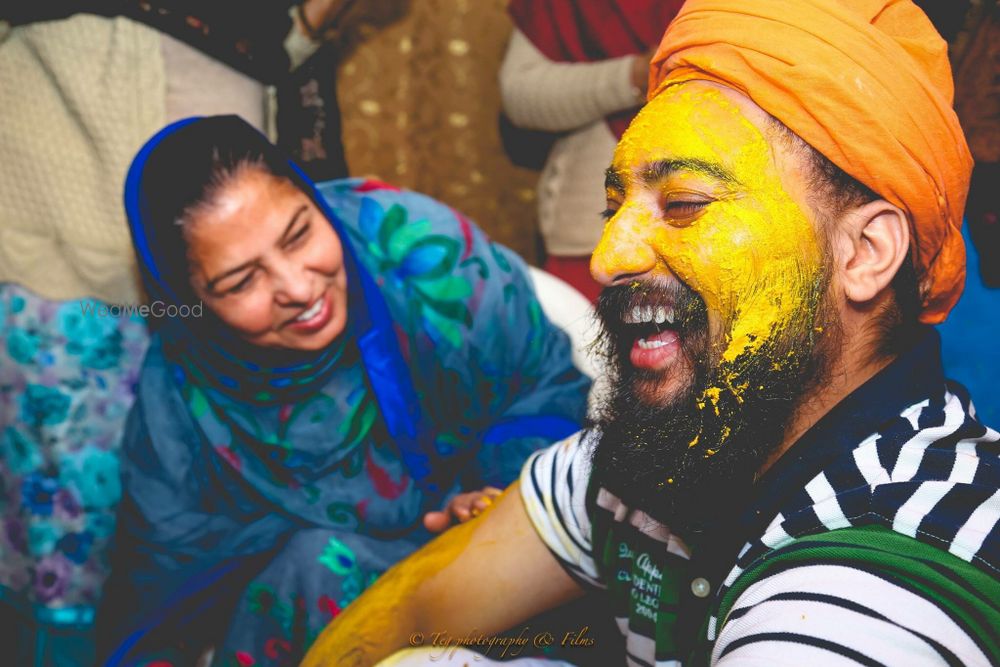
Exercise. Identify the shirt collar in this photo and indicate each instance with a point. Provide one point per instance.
(913, 376)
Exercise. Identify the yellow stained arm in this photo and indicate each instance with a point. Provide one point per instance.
(486, 575)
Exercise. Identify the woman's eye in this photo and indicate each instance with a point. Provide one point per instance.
(243, 284)
(297, 236)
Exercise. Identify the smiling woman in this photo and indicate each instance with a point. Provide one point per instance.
(365, 354)
(266, 261)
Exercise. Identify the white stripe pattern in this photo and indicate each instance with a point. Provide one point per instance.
(733, 575)
(839, 621)
(920, 504)
(912, 413)
(775, 535)
(563, 537)
(911, 455)
(640, 645)
(825, 503)
(983, 520)
(966, 463)
(866, 458)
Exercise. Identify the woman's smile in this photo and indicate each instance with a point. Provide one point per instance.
(315, 317)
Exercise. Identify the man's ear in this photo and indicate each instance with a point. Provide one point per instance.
(874, 240)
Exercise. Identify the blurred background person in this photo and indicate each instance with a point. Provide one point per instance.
(579, 69)
(84, 85)
(420, 102)
(977, 100)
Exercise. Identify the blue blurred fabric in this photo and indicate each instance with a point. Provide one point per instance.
(970, 345)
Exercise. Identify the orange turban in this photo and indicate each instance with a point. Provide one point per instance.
(866, 83)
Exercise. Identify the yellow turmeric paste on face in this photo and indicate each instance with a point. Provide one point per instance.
(751, 253)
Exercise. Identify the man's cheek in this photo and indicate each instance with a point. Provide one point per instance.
(715, 262)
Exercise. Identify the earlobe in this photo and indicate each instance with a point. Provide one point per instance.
(877, 242)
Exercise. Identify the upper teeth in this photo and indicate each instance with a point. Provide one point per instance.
(649, 314)
(312, 312)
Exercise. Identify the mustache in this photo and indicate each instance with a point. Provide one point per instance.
(618, 305)
(617, 302)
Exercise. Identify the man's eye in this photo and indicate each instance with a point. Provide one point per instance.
(612, 208)
(684, 210)
(685, 207)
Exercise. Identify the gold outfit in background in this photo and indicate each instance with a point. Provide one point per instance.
(420, 103)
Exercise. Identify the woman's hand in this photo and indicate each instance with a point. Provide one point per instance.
(317, 17)
(462, 507)
(640, 73)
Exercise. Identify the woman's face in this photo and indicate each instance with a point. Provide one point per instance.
(267, 262)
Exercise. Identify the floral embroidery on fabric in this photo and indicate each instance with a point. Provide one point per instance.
(337, 557)
(420, 262)
(67, 378)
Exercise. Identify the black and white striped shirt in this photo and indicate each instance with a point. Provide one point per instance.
(877, 543)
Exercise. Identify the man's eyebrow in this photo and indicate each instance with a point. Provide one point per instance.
(660, 169)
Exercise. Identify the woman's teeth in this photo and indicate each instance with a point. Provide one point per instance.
(650, 315)
(312, 312)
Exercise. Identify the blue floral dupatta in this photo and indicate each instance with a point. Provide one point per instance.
(232, 450)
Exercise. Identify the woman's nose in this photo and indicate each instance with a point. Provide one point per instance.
(292, 284)
(623, 252)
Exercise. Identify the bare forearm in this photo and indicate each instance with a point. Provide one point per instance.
(371, 628)
(406, 599)
(483, 576)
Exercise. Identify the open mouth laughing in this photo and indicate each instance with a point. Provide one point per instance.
(654, 332)
(655, 337)
(315, 317)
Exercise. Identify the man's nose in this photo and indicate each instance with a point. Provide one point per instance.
(624, 252)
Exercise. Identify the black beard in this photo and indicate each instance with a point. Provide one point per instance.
(690, 460)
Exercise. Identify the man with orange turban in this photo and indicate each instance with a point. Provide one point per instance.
(780, 474)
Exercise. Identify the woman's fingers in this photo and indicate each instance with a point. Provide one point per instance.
(483, 499)
(462, 507)
(437, 522)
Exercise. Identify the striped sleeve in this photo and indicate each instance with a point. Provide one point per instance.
(554, 488)
(835, 614)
